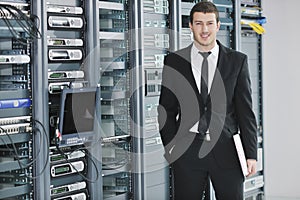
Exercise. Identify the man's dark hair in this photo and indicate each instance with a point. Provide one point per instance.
(204, 7)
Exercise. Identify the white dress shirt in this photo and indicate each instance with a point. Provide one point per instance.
(196, 61)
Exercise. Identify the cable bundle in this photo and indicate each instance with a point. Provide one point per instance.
(11, 15)
(255, 24)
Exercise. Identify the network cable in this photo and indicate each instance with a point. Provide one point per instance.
(62, 153)
(12, 15)
(31, 163)
(255, 25)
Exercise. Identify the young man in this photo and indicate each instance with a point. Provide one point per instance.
(205, 99)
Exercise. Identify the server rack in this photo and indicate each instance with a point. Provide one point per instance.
(65, 59)
(115, 81)
(65, 49)
(72, 64)
(251, 44)
(157, 36)
(16, 133)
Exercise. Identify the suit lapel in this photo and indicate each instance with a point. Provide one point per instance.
(188, 73)
(219, 75)
(221, 67)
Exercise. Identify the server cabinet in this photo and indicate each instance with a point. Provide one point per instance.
(115, 81)
(251, 44)
(65, 50)
(156, 35)
(86, 44)
(17, 158)
(66, 65)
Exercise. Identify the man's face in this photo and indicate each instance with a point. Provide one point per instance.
(205, 28)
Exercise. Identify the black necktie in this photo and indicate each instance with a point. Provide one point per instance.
(204, 117)
(204, 76)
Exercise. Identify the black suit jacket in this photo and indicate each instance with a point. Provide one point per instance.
(231, 107)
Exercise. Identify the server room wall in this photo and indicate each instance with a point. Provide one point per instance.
(281, 99)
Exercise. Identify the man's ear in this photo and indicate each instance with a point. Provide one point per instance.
(218, 25)
(190, 25)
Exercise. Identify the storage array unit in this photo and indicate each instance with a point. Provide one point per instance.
(16, 134)
(251, 44)
(115, 101)
(80, 86)
(156, 40)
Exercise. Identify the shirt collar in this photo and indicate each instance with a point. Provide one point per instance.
(214, 51)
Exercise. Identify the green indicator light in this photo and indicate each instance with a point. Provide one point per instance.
(57, 75)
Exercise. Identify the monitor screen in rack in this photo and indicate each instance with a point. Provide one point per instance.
(77, 116)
